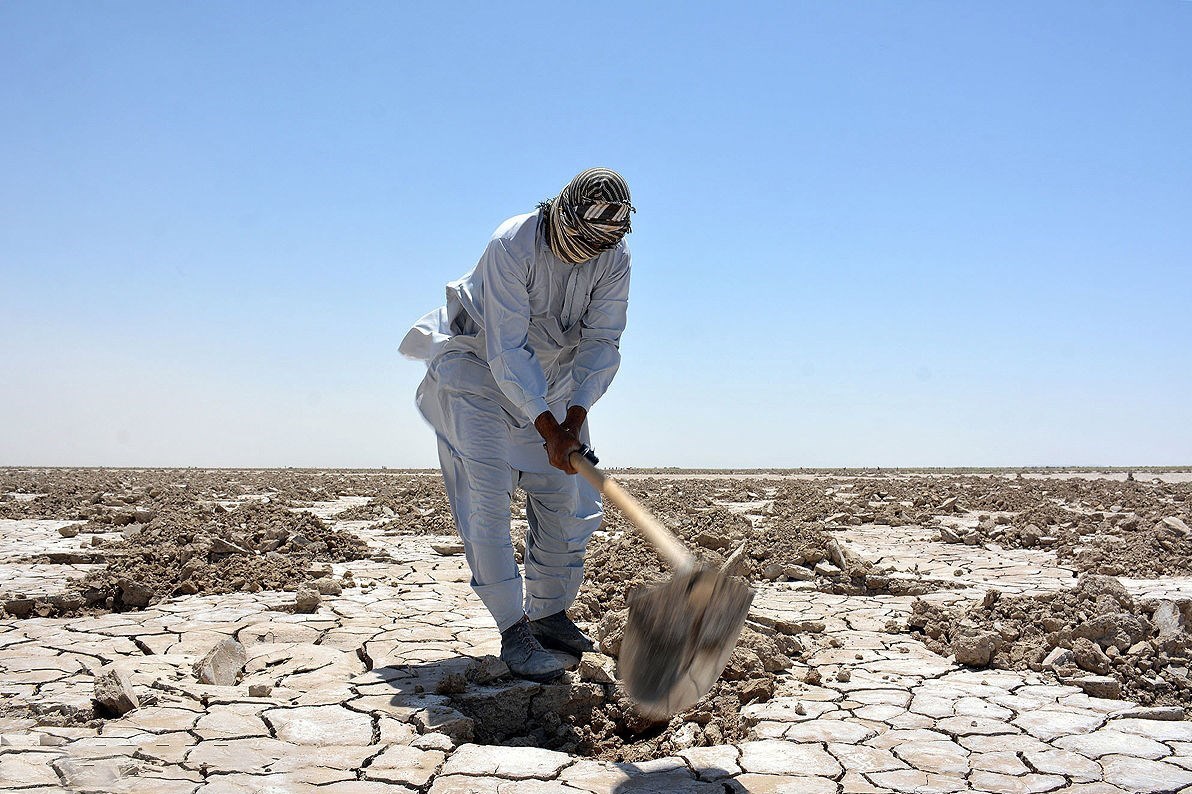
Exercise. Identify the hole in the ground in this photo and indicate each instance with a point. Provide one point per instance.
(476, 700)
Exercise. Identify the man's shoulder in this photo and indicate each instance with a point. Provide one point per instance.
(518, 228)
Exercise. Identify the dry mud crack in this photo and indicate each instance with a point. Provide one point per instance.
(360, 661)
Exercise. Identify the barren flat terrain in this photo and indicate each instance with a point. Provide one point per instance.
(194, 630)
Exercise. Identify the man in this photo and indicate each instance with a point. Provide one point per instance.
(527, 342)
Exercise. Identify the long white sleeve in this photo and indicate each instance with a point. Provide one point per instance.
(505, 305)
(598, 356)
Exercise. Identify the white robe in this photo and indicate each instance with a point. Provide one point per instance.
(522, 333)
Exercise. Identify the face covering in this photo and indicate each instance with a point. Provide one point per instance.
(590, 215)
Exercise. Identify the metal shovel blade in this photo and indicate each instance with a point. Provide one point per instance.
(678, 638)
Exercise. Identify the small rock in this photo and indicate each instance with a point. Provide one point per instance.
(449, 548)
(113, 692)
(1172, 523)
(260, 690)
(451, 684)
(688, 735)
(434, 741)
(1089, 657)
(843, 675)
(591, 668)
(610, 629)
(797, 573)
(222, 664)
(222, 546)
(976, 649)
(1098, 686)
(826, 569)
(486, 669)
(1173, 713)
(306, 600)
(69, 531)
(1167, 619)
(328, 586)
(134, 594)
(1059, 657)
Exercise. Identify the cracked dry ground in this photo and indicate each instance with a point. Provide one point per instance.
(387, 686)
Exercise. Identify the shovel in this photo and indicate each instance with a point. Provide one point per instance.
(680, 634)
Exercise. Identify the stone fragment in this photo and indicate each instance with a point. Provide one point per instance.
(789, 627)
(327, 586)
(448, 548)
(1098, 686)
(445, 720)
(1058, 657)
(610, 629)
(434, 741)
(1176, 525)
(224, 546)
(307, 599)
(1168, 713)
(975, 648)
(593, 667)
(113, 692)
(1168, 619)
(133, 593)
(222, 664)
(69, 531)
(1089, 657)
(259, 690)
(486, 669)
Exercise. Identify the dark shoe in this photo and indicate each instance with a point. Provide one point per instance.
(558, 632)
(525, 657)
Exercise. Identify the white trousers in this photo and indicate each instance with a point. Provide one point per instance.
(563, 510)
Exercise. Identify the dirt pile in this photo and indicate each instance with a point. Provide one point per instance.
(1094, 635)
(187, 548)
(590, 715)
(1132, 528)
(784, 540)
(411, 506)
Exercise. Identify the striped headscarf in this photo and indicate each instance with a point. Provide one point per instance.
(590, 215)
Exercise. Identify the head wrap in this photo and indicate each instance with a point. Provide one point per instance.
(590, 215)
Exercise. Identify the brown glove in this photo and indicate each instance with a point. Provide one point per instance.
(560, 442)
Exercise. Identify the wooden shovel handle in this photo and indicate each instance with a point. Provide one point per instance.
(659, 536)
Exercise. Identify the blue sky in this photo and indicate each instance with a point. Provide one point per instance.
(868, 233)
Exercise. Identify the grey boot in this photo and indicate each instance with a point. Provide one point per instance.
(525, 657)
(558, 632)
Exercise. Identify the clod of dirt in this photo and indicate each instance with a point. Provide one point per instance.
(306, 600)
(222, 664)
(113, 694)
